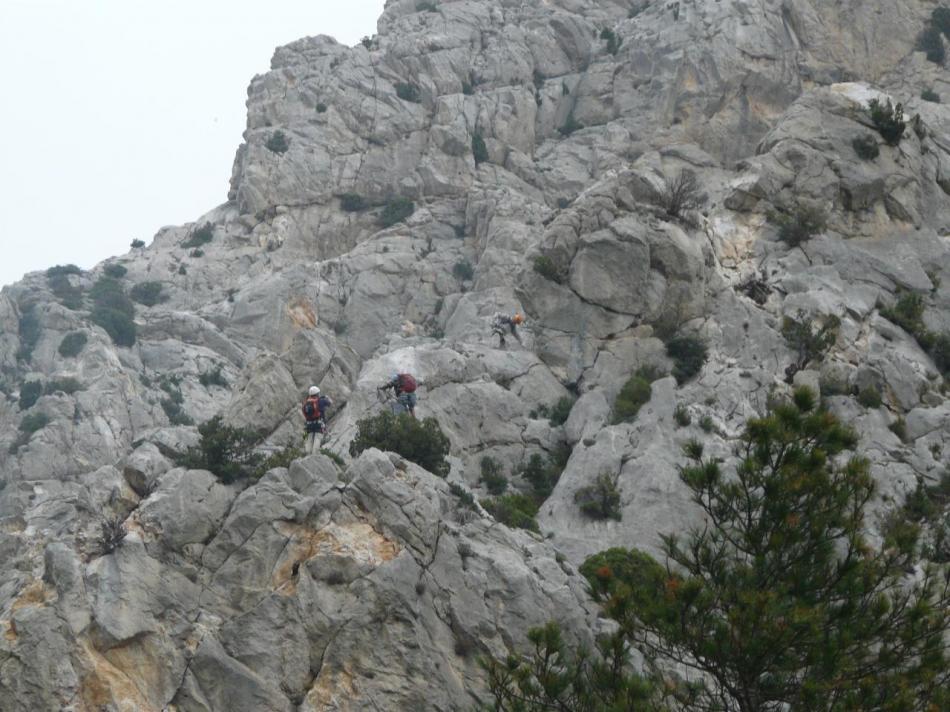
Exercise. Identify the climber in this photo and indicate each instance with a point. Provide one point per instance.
(404, 386)
(502, 322)
(314, 414)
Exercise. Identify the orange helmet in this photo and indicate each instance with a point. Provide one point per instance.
(517, 318)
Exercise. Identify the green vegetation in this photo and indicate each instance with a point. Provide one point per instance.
(808, 340)
(543, 473)
(67, 385)
(908, 313)
(116, 271)
(137, 244)
(408, 92)
(570, 126)
(560, 411)
(888, 119)
(600, 500)
(29, 425)
(352, 203)
(277, 143)
(799, 225)
(866, 147)
(225, 451)
(337, 460)
(492, 476)
(681, 416)
(426, 6)
(421, 441)
(396, 210)
(69, 295)
(62, 270)
(321, 108)
(30, 392)
(468, 89)
(930, 41)
(689, 353)
(280, 458)
(33, 422)
(634, 394)
(200, 235)
(870, 397)
(113, 311)
(29, 332)
(479, 149)
(463, 271)
(213, 377)
(72, 344)
(777, 603)
(930, 95)
(613, 42)
(148, 293)
(513, 510)
(546, 267)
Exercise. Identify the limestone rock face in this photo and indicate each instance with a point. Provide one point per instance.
(387, 201)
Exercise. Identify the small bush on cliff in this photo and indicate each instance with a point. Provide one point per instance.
(546, 267)
(136, 244)
(600, 500)
(800, 224)
(492, 476)
(613, 42)
(148, 293)
(513, 510)
(200, 236)
(113, 311)
(225, 451)
(352, 203)
(30, 392)
(408, 92)
(689, 353)
(866, 147)
(810, 340)
(421, 441)
(930, 95)
(28, 329)
(479, 149)
(680, 195)
(111, 535)
(277, 142)
(930, 41)
(72, 344)
(116, 271)
(396, 210)
(633, 395)
(889, 120)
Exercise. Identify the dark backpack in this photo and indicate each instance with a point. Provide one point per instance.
(407, 384)
(311, 409)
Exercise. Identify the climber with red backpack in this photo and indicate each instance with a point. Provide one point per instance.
(314, 414)
(404, 386)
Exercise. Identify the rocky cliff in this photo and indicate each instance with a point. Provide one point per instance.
(474, 156)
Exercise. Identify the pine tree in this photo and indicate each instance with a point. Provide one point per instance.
(778, 601)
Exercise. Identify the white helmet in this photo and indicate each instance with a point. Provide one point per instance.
(314, 391)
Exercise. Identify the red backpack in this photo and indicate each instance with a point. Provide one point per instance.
(407, 384)
(311, 409)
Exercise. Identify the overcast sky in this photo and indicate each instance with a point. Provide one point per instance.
(121, 116)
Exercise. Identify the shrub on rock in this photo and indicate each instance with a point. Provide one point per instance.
(421, 441)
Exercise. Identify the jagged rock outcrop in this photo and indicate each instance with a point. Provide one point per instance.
(389, 198)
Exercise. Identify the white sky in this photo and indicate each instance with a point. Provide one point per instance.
(121, 116)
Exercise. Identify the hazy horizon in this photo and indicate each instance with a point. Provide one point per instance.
(125, 118)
